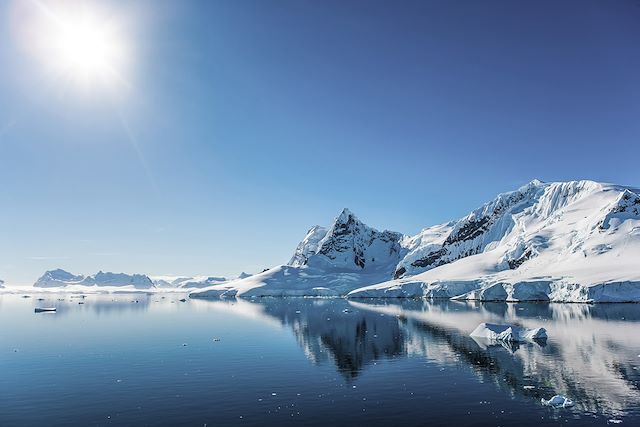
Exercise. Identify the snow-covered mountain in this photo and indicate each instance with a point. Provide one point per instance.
(348, 244)
(161, 282)
(328, 261)
(60, 279)
(561, 241)
(186, 281)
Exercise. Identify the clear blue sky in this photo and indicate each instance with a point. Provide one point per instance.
(243, 123)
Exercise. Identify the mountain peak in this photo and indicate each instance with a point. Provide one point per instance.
(344, 216)
(348, 244)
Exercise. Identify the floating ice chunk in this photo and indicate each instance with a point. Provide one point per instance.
(508, 333)
(45, 309)
(558, 401)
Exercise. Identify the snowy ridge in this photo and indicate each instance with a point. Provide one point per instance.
(60, 279)
(308, 246)
(492, 222)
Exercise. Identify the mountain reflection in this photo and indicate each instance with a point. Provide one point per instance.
(333, 330)
(591, 354)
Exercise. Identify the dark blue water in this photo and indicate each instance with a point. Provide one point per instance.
(111, 361)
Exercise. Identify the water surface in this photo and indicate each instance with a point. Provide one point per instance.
(148, 360)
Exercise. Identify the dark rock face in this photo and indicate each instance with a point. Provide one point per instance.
(466, 238)
(515, 263)
(470, 230)
(434, 259)
(628, 204)
(399, 273)
(474, 227)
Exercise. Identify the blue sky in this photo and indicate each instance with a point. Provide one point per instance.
(243, 123)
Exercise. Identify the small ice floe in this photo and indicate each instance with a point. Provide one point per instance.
(558, 401)
(614, 421)
(508, 333)
(45, 310)
(529, 387)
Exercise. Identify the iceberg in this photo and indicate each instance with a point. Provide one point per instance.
(508, 333)
(558, 401)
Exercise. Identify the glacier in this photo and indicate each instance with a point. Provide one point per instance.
(575, 241)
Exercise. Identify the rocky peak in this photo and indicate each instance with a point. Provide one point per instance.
(349, 244)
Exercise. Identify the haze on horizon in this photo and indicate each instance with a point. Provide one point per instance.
(165, 137)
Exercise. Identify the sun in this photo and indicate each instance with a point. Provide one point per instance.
(85, 48)
(76, 41)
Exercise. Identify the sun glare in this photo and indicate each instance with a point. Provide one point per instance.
(77, 41)
(86, 49)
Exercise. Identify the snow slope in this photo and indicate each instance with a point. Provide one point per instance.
(62, 279)
(328, 262)
(575, 241)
